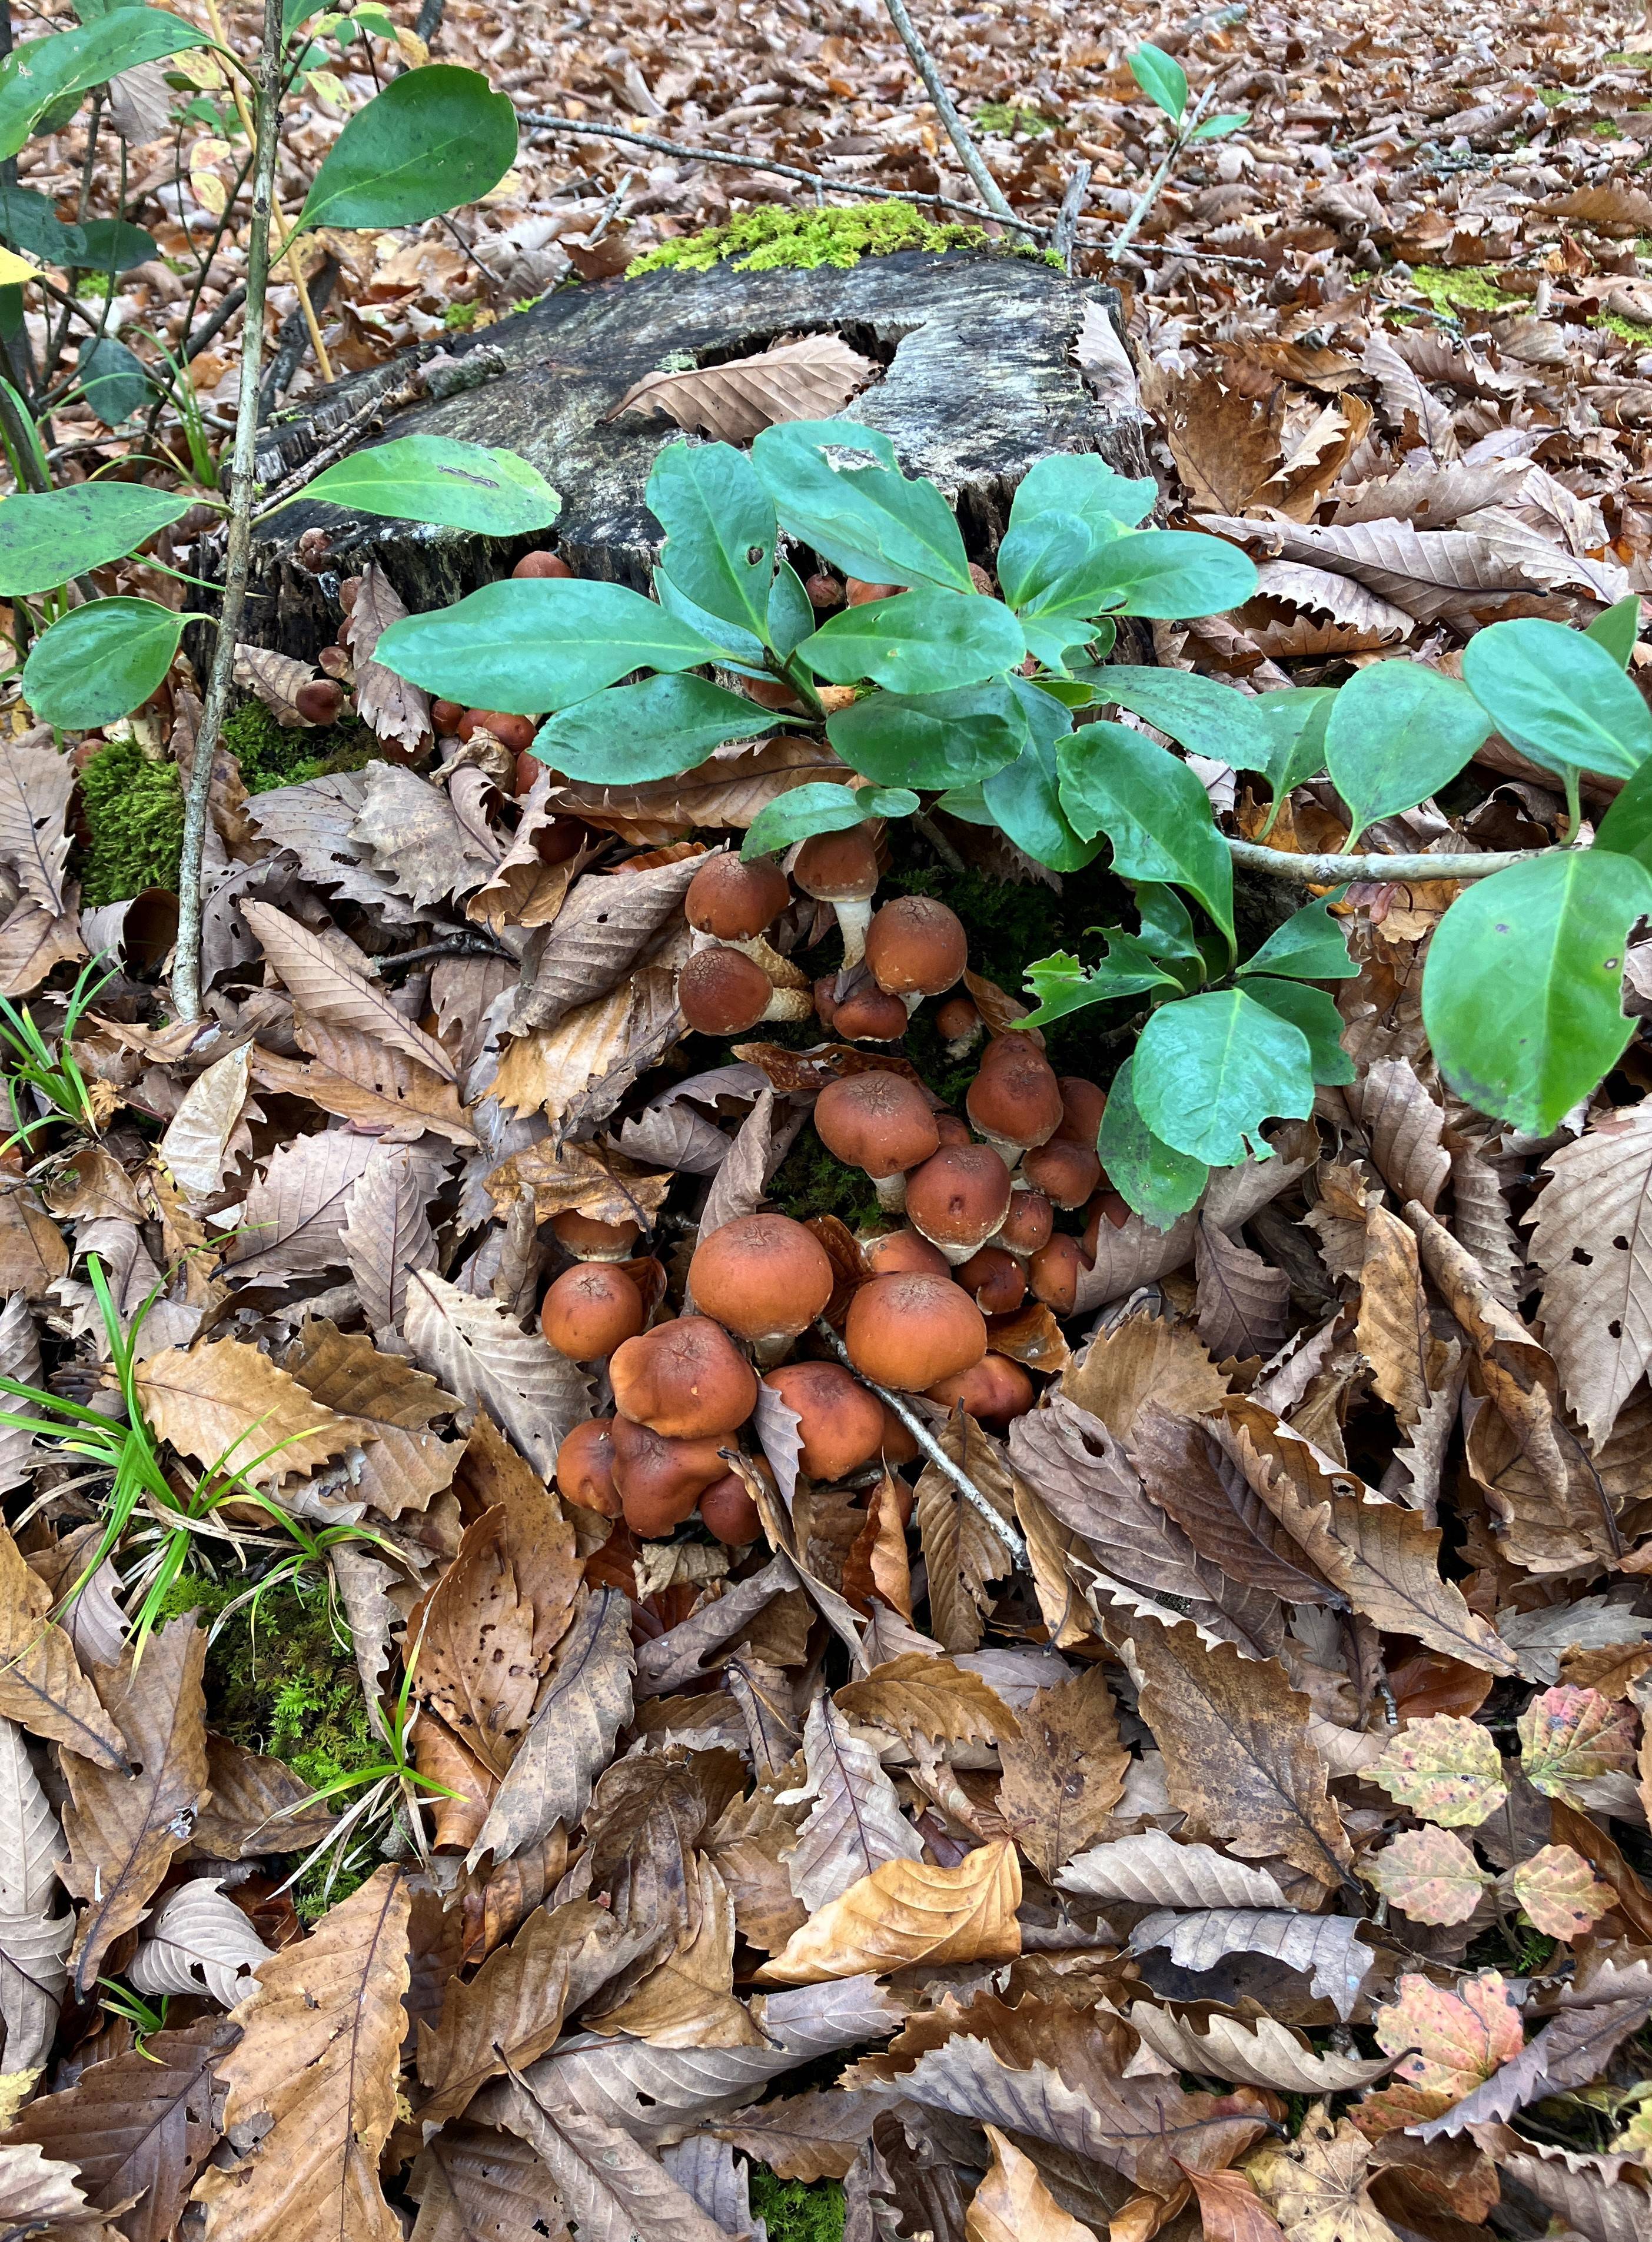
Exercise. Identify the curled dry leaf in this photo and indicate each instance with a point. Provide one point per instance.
(1013, 2205)
(42, 1686)
(906, 1912)
(397, 710)
(226, 1405)
(1323, 1948)
(1259, 2054)
(198, 1939)
(733, 402)
(1153, 1871)
(855, 1821)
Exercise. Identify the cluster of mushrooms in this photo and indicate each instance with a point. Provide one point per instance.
(968, 1209)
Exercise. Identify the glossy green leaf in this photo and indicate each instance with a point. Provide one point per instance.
(1218, 128)
(791, 613)
(1048, 553)
(824, 808)
(1292, 724)
(441, 480)
(1313, 1011)
(428, 142)
(1023, 799)
(738, 649)
(1397, 731)
(1162, 78)
(1559, 695)
(1310, 946)
(720, 529)
(531, 644)
(101, 661)
(1061, 984)
(1618, 628)
(30, 222)
(1082, 483)
(1151, 1175)
(871, 521)
(1210, 1071)
(1174, 573)
(931, 738)
(1521, 994)
(1153, 810)
(651, 730)
(39, 74)
(48, 539)
(1199, 713)
(922, 641)
(114, 380)
(1626, 829)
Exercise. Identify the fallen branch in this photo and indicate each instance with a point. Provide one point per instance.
(931, 1447)
(946, 109)
(1331, 869)
(186, 978)
(1064, 239)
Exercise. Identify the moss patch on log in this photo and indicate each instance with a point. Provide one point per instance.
(765, 240)
(271, 756)
(135, 813)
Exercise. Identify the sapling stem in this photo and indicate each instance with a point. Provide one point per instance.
(1573, 803)
(1155, 186)
(186, 978)
(931, 1447)
(946, 109)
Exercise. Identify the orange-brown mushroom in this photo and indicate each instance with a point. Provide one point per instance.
(764, 1276)
(961, 1024)
(994, 1392)
(994, 1279)
(916, 948)
(840, 1424)
(909, 1332)
(660, 1478)
(542, 564)
(1015, 1100)
(723, 992)
(1083, 1103)
(867, 1015)
(585, 1466)
(841, 869)
(590, 1240)
(735, 902)
(1066, 1173)
(891, 1251)
(1055, 1271)
(729, 1512)
(958, 1199)
(878, 1123)
(1029, 1223)
(686, 1379)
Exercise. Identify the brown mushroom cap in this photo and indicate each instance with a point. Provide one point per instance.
(729, 1512)
(953, 1129)
(899, 1447)
(723, 992)
(912, 1331)
(735, 900)
(763, 1275)
(877, 1122)
(869, 1016)
(895, 1251)
(1083, 1103)
(958, 1197)
(917, 947)
(1054, 1271)
(590, 1310)
(837, 867)
(661, 1479)
(1015, 1099)
(993, 1391)
(1029, 1223)
(960, 1024)
(1066, 1173)
(686, 1379)
(994, 1280)
(840, 1424)
(585, 1466)
(591, 1240)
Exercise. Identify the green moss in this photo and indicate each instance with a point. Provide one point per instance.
(1470, 290)
(764, 240)
(135, 810)
(1003, 118)
(1552, 96)
(795, 2210)
(270, 756)
(1633, 331)
(809, 1181)
(459, 318)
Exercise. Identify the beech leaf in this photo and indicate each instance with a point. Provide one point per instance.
(906, 1912)
(1430, 1876)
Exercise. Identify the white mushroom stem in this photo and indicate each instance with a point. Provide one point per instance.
(789, 1004)
(891, 1191)
(853, 916)
(755, 947)
(1008, 1150)
(931, 1447)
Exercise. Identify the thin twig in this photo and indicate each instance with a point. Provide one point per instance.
(535, 123)
(461, 945)
(1330, 870)
(969, 155)
(1064, 239)
(931, 1447)
(186, 978)
(220, 316)
(1155, 186)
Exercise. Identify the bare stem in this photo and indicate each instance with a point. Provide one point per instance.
(1331, 869)
(931, 1447)
(1064, 239)
(935, 85)
(186, 978)
(1155, 186)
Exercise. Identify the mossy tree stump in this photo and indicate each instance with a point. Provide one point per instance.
(979, 383)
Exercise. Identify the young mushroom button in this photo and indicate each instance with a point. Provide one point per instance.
(764, 1277)
(723, 992)
(958, 1199)
(912, 1332)
(735, 902)
(916, 948)
(1015, 1100)
(880, 1123)
(841, 869)
(686, 1379)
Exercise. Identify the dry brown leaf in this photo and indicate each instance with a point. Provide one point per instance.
(397, 710)
(612, 2189)
(1241, 1299)
(1325, 1949)
(404, 1463)
(278, 680)
(854, 1821)
(321, 984)
(124, 1828)
(387, 1236)
(42, 1686)
(578, 1071)
(249, 1807)
(1013, 2205)
(1319, 2186)
(687, 1999)
(1064, 1773)
(1153, 1870)
(295, 1210)
(316, 2066)
(961, 1551)
(475, 2185)
(227, 1405)
(728, 790)
(1227, 447)
(1230, 2209)
(416, 838)
(1258, 2053)
(197, 1145)
(604, 930)
(583, 1179)
(312, 821)
(475, 1634)
(1144, 1358)
(360, 1080)
(919, 1695)
(735, 401)
(480, 1354)
(810, 2135)
(32, 1253)
(36, 782)
(907, 1912)
(1588, 1241)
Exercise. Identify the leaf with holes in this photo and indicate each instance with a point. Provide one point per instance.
(1446, 1768)
(1560, 1893)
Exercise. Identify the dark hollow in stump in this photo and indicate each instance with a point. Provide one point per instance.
(979, 383)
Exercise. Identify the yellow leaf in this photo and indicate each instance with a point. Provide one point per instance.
(199, 66)
(415, 53)
(1013, 2205)
(907, 1912)
(16, 272)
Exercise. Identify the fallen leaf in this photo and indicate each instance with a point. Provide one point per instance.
(1013, 2205)
(734, 401)
(198, 1939)
(1560, 1892)
(1430, 1876)
(1570, 1736)
(855, 1821)
(477, 1352)
(906, 1912)
(1446, 1768)
(1323, 1948)
(42, 1686)
(397, 711)
(1447, 2043)
(1261, 2053)
(226, 1405)
(322, 985)
(1064, 1773)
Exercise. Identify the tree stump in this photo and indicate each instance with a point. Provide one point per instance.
(979, 383)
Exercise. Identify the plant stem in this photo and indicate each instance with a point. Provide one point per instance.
(1573, 803)
(186, 979)
(1064, 239)
(969, 155)
(1331, 868)
(1155, 186)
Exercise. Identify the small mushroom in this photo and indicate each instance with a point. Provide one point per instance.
(722, 993)
(591, 1309)
(590, 1240)
(542, 564)
(686, 1379)
(841, 869)
(1054, 1272)
(729, 1512)
(891, 1252)
(585, 1466)
(994, 1391)
(840, 1424)
(515, 733)
(1029, 1223)
(660, 1478)
(958, 1199)
(1083, 1103)
(953, 1129)
(917, 948)
(1015, 1101)
(764, 1276)
(994, 1280)
(881, 1123)
(1066, 1173)
(869, 1016)
(961, 1024)
(732, 901)
(910, 1332)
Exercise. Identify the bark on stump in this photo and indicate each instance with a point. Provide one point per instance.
(980, 383)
